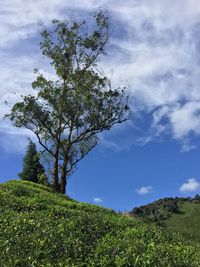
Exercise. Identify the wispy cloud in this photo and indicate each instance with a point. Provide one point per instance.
(159, 57)
(144, 190)
(153, 50)
(191, 185)
(97, 200)
(181, 120)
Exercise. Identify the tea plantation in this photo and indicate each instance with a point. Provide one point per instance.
(42, 228)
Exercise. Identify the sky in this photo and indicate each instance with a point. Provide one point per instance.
(154, 50)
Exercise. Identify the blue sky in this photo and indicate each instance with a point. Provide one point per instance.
(154, 50)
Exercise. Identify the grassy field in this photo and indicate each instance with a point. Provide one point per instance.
(42, 228)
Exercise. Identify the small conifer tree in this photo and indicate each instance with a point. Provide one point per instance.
(32, 168)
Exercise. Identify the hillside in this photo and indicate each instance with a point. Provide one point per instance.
(175, 214)
(42, 228)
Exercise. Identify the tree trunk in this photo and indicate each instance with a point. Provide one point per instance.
(64, 177)
(55, 169)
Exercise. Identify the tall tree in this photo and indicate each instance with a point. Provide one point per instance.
(32, 168)
(70, 111)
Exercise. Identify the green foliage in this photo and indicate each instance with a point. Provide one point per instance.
(69, 112)
(42, 228)
(187, 221)
(32, 169)
(175, 214)
(43, 179)
(159, 210)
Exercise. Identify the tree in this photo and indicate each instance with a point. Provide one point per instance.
(32, 168)
(70, 110)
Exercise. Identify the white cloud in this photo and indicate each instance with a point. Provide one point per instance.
(159, 57)
(20, 54)
(97, 200)
(153, 49)
(181, 120)
(187, 146)
(191, 185)
(144, 190)
(185, 119)
(13, 139)
(14, 143)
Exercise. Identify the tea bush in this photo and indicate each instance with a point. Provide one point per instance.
(42, 228)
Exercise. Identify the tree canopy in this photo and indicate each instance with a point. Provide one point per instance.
(32, 168)
(78, 102)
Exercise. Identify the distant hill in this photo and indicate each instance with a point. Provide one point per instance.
(42, 228)
(175, 214)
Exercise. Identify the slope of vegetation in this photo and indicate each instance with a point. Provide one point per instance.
(158, 211)
(42, 228)
(176, 214)
(187, 221)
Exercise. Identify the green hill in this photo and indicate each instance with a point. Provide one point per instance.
(42, 228)
(175, 214)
